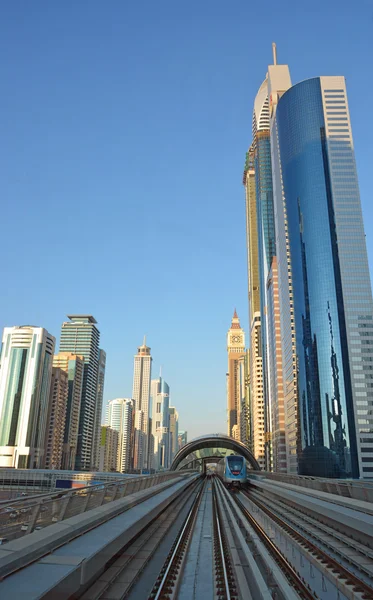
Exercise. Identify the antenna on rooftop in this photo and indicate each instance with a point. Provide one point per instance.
(274, 50)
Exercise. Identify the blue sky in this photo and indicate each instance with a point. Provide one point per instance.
(124, 127)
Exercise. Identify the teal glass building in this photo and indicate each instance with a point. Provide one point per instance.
(332, 299)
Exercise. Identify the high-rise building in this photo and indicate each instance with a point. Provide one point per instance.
(236, 350)
(80, 336)
(98, 408)
(139, 441)
(108, 453)
(316, 303)
(58, 395)
(275, 374)
(141, 396)
(314, 165)
(267, 280)
(244, 395)
(183, 438)
(160, 393)
(73, 365)
(25, 376)
(257, 409)
(174, 432)
(120, 416)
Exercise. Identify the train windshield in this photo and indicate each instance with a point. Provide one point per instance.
(235, 463)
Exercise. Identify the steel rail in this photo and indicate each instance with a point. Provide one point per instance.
(221, 548)
(334, 565)
(317, 530)
(182, 537)
(291, 574)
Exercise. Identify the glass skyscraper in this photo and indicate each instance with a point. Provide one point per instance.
(160, 394)
(318, 210)
(80, 336)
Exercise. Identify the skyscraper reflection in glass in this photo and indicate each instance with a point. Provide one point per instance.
(332, 300)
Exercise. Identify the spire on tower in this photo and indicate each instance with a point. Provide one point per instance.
(235, 321)
(274, 50)
(144, 342)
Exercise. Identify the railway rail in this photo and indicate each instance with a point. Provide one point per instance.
(294, 579)
(337, 571)
(125, 568)
(170, 580)
(353, 554)
(213, 544)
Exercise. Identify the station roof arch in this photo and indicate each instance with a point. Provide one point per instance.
(206, 446)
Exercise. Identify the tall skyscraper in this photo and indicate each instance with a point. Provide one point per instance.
(98, 409)
(73, 365)
(160, 393)
(257, 409)
(120, 416)
(58, 395)
(25, 376)
(174, 432)
(236, 350)
(80, 336)
(141, 396)
(318, 194)
(268, 399)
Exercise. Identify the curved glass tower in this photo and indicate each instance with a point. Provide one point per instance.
(332, 301)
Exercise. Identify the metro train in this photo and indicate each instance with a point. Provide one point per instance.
(232, 470)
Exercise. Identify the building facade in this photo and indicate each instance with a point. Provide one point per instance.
(275, 373)
(174, 432)
(183, 438)
(278, 82)
(120, 416)
(333, 311)
(80, 336)
(160, 393)
(73, 365)
(236, 350)
(257, 420)
(141, 397)
(139, 441)
(98, 408)
(58, 396)
(108, 453)
(25, 376)
(244, 384)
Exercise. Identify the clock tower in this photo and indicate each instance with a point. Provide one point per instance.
(236, 352)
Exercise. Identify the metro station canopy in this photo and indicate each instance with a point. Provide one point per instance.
(213, 445)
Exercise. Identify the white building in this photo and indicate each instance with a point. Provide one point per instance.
(141, 395)
(25, 376)
(120, 416)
